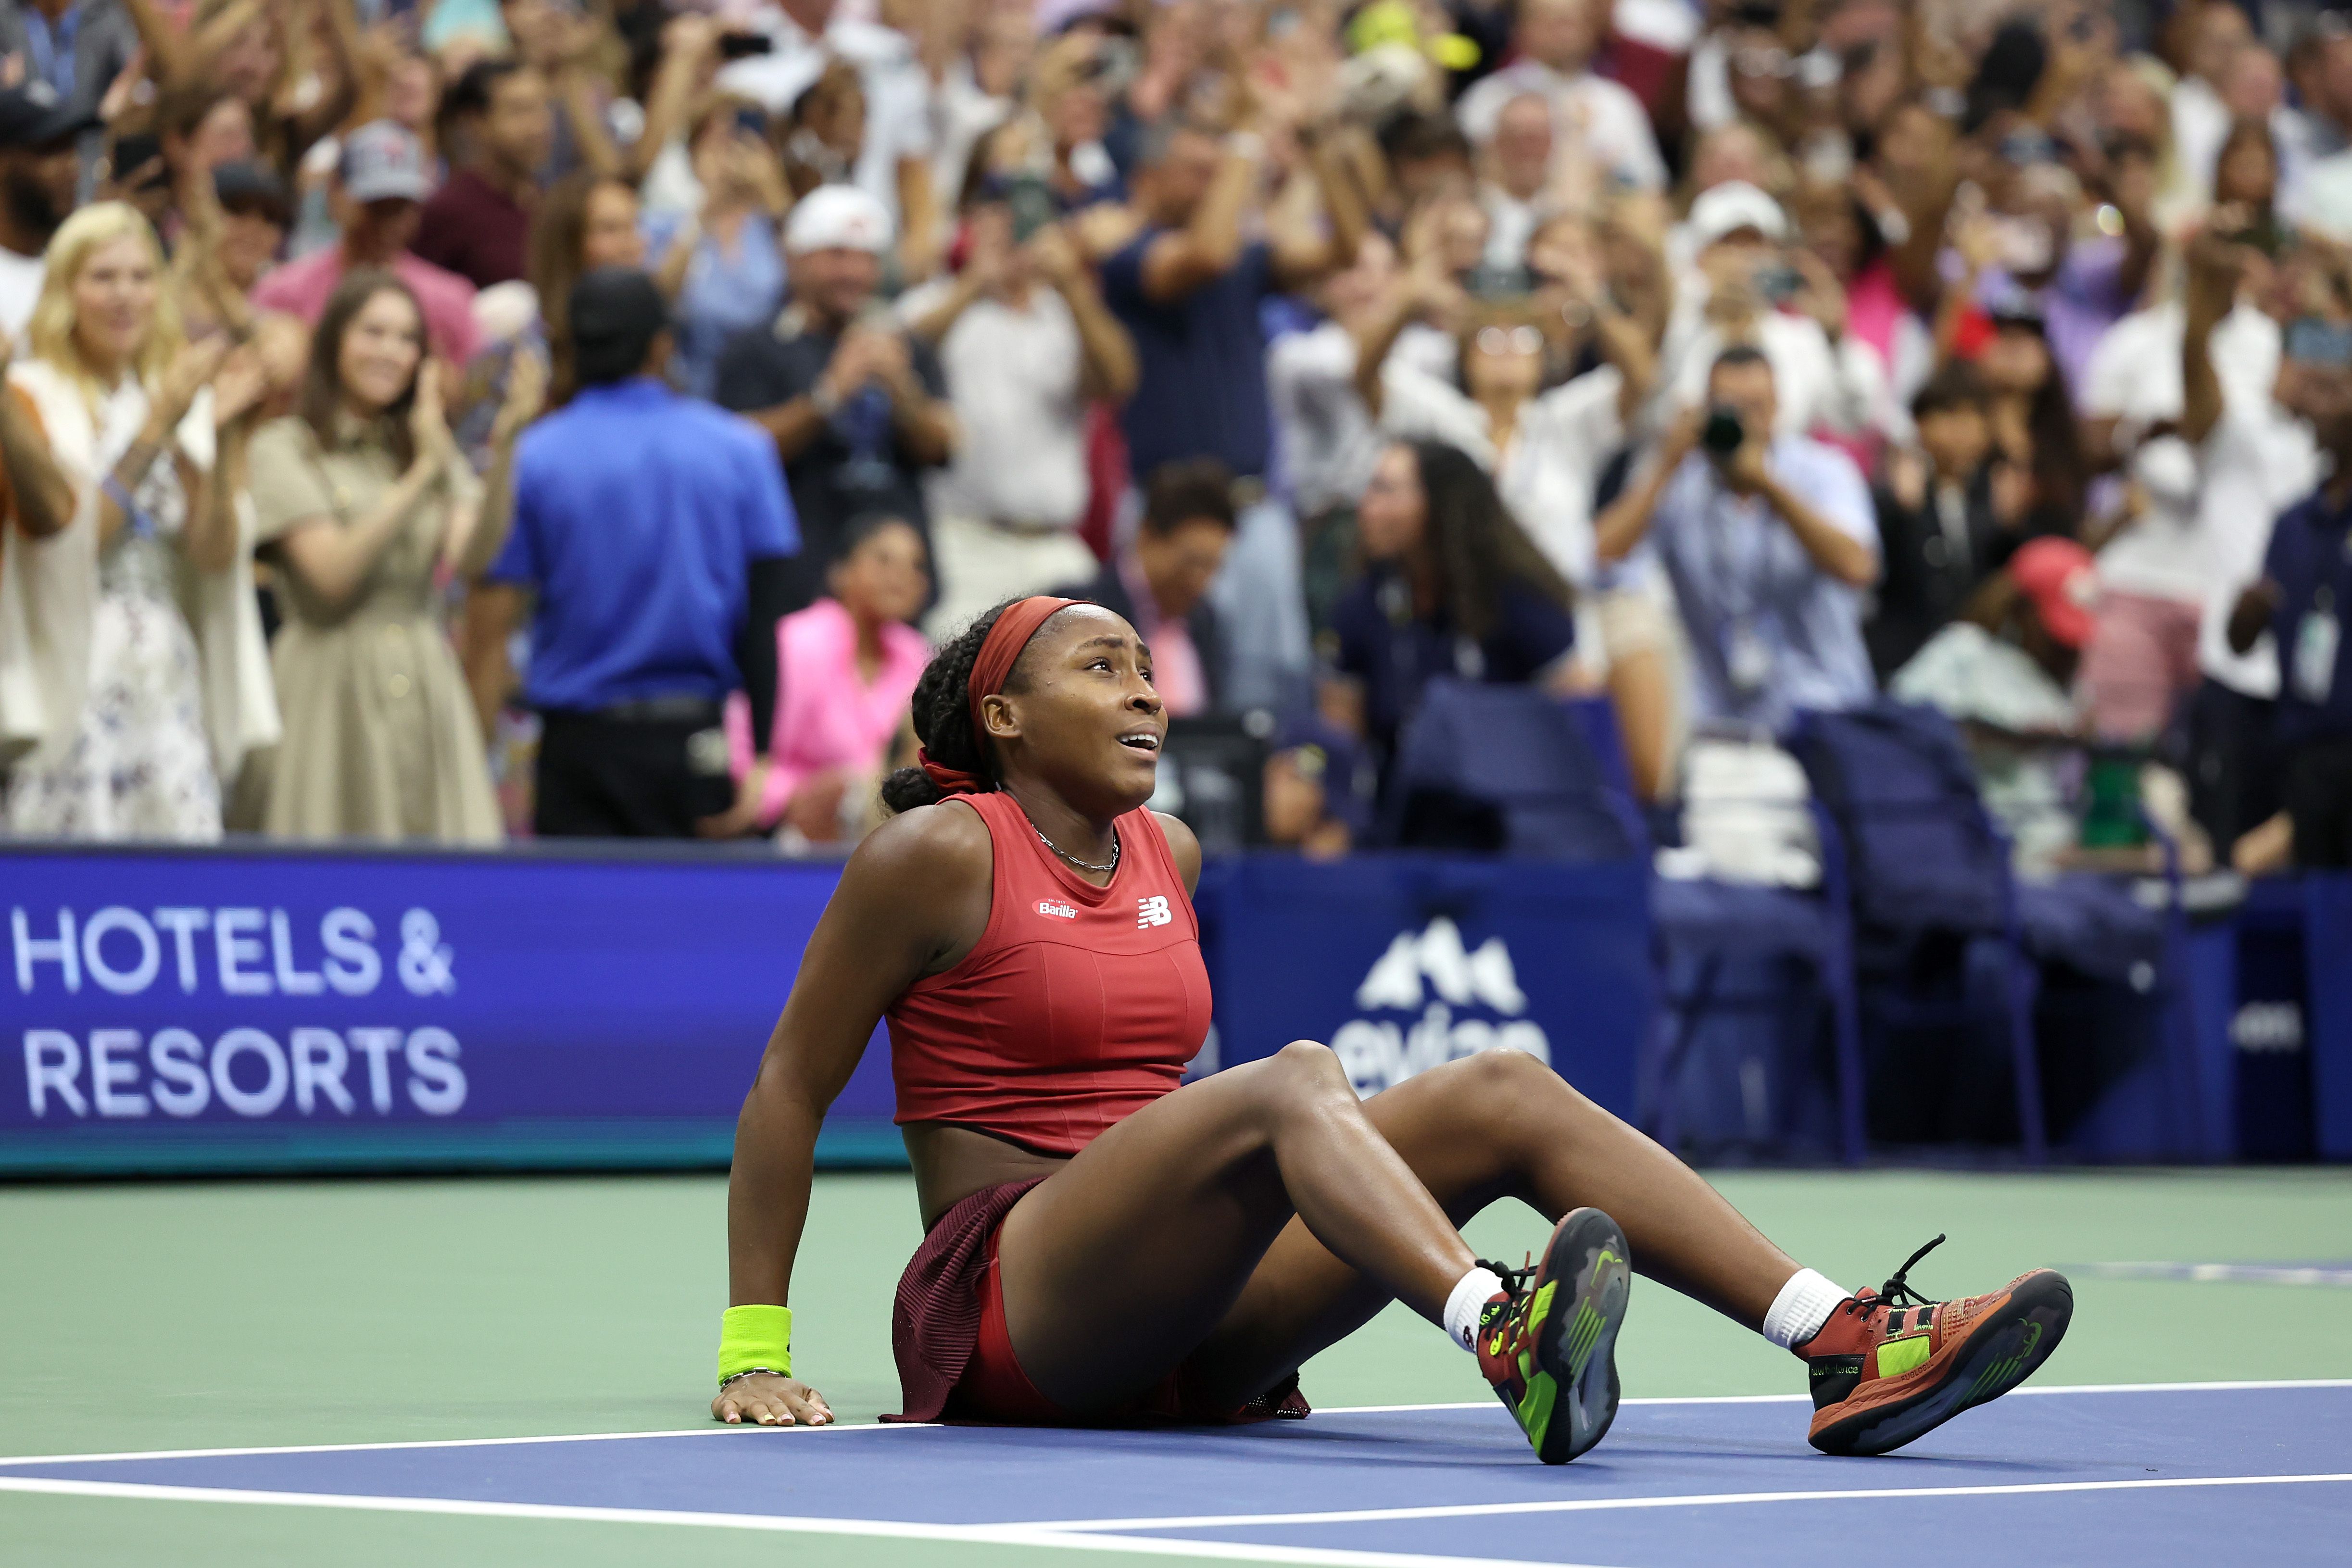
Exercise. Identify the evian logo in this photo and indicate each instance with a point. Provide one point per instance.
(1058, 911)
(1432, 975)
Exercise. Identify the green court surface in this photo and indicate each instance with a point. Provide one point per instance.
(144, 1317)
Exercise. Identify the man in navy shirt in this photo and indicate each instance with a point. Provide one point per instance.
(856, 407)
(1187, 289)
(2303, 599)
(656, 532)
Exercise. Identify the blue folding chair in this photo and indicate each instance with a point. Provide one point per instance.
(2096, 927)
(1510, 769)
(1925, 861)
(1503, 769)
(1703, 926)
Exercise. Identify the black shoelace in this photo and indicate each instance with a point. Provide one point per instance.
(1515, 1281)
(1897, 1291)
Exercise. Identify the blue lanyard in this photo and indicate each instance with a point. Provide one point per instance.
(51, 44)
(1737, 590)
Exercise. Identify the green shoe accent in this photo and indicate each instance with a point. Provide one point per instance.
(1535, 1410)
(1997, 1375)
(1584, 1334)
(1897, 1356)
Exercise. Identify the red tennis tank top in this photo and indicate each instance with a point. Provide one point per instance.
(1080, 1006)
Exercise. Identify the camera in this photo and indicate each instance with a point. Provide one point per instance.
(1032, 201)
(2315, 341)
(1779, 283)
(1724, 434)
(1487, 281)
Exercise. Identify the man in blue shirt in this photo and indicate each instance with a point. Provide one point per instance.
(2303, 599)
(657, 533)
(1770, 543)
(1187, 289)
(75, 48)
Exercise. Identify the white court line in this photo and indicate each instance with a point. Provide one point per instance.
(1084, 1535)
(715, 1430)
(1025, 1536)
(2189, 1387)
(1612, 1504)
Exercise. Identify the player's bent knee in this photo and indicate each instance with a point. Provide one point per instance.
(1498, 1087)
(1312, 1071)
(1516, 1072)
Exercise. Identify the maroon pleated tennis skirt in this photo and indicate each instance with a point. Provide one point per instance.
(955, 1358)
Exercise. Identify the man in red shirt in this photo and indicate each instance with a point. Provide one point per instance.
(379, 186)
(477, 225)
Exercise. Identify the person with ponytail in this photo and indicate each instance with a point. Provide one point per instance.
(1105, 1246)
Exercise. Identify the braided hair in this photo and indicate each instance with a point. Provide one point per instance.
(942, 707)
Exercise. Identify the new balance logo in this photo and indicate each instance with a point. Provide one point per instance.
(1058, 911)
(1151, 912)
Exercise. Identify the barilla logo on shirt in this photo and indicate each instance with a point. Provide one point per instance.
(1059, 911)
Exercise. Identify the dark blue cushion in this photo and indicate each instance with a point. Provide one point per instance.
(1730, 917)
(1518, 758)
(1922, 853)
(2094, 924)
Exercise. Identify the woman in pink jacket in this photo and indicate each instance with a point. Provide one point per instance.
(848, 664)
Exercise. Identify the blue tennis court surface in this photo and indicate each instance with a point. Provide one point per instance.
(2208, 1473)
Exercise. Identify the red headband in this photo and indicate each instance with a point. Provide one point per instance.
(998, 650)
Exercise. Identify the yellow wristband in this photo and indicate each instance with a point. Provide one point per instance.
(755, 1336)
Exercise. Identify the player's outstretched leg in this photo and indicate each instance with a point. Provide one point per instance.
(1890, 1365)
(1501, 1124)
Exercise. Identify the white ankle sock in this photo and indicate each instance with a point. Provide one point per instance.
(1471, 1295)
(1800, 1309)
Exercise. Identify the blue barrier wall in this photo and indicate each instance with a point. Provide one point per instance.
(1400, 962)
(182, 1011)
(189, 1012)
(2327, 947)
(259, 1009)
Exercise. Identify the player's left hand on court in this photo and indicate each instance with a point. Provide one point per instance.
(767, 1400)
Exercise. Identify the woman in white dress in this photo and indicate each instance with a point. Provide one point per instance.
(134, 676)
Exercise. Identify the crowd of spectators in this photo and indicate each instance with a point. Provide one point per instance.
(453, 419)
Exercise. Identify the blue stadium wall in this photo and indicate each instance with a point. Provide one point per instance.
(276, 1009)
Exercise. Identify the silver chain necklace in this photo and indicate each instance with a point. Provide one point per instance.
(1083, 865)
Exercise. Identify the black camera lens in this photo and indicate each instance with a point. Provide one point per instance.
(1724, 432)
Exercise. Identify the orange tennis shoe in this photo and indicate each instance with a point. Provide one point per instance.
(1891, 1365)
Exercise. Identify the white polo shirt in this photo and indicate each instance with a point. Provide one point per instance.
(1012, 379)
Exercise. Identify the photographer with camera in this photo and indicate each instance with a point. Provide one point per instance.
(1769, 542)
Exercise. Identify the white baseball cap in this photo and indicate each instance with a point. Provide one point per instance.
(383, 161)
(837, 218)
(1735, 204)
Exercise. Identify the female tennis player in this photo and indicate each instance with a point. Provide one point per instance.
(1105, 1246)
